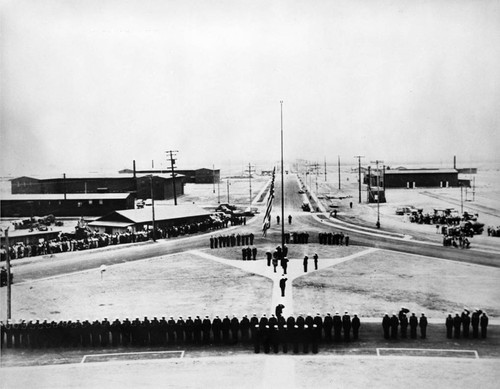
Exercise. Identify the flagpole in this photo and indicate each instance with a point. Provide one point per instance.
(282, 186)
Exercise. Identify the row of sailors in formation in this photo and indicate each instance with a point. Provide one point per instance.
(397, 324)
(168, 331)
(459, 325)
(333, 238)
(231, 240)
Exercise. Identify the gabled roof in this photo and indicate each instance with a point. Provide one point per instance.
(162, 212)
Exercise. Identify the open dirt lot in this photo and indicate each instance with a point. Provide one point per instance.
(385, 281)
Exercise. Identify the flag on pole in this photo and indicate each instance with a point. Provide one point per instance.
(266, 224)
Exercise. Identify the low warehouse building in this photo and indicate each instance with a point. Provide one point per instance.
(134, 220)
(413, 178)
(71, 204)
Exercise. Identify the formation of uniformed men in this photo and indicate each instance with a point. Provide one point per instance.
(459, 325)
(333, 238)
(300, 238)
(165, 331)
(397, 325)
(248, 253)
(231, 240)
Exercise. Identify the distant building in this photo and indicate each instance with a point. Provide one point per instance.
(137, 219)
(138, 185)
(193, 176)
(73, 204)
(413, 178)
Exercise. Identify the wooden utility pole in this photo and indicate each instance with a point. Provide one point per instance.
(359, 174)
(7, 260)
(250, 171)
(172, 162)
(282, 186)
(339, 172)
(153, 208)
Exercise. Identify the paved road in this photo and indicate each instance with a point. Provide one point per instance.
(47, 266)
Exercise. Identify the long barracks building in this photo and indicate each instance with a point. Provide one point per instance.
(415, 178)
(137, 185)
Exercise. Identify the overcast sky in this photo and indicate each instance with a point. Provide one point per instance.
(94, 84)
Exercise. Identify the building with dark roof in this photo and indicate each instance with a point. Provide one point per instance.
(193, 176)
(71, 204)
(137, 219)
(138, 185)
(413, 178)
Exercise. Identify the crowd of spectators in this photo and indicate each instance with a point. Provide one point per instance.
(493, 231)
(85, 239)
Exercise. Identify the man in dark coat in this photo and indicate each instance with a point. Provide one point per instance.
(254, 253)
(269, 257)
(189, 328)
(475, 323)
(346, 325)
(413, 326)
(216, 329)
(197, 329)
(235, 327)
(289, 219)
(284, 264)
(386, 325)
(449, 326)
(318, 321)
(337, 326)
(249, 253)
(305, 263)
(206, 326)
(457, 322)
(315, 257)
(244, 327)
(226, 327)
(403, 324)
(394, 326)
(279, 310)
(244, 253)
(423, 326)
(484, 325)
(403, 311)
(283, 285)
(465, 323)
(327, 326)
(356, 323)
(180, 329)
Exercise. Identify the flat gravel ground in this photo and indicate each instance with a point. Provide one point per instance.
(385, 281)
